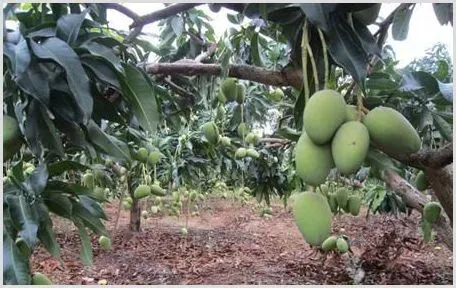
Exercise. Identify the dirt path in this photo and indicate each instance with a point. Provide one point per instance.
(230, 244)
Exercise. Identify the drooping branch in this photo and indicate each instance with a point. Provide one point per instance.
(162, 14)
(416, 200)
(426, 158)
(287, 77)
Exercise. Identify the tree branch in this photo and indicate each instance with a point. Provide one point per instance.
(287, 77)
(164, 13)
(122, 9)
(416, 200)
(426, 158)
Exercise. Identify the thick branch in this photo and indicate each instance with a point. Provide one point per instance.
(426, 158)
(162, 14)
(288, 77)
(416, 200)
(122, 9)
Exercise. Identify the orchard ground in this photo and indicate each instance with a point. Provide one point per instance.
(231, 244)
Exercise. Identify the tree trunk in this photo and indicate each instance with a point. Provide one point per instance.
(135, 212)
(441, 182)
(416, 200)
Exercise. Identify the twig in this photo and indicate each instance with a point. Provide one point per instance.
(304, 62)
(162, 14)
(325, 57)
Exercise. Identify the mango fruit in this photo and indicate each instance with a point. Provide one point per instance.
(421, 182)
(253, 153)
(240, 97)
(129, 200)
(40, 279)
(342, 245)
(354, 205)
(349, 147)
(313, 162)
(105, 242)
(154, 157)
(329, 244)
(252, 138)
(242, 130)
(142, 191)
(323, 114)
(156, 190)
(431, 212)
(342, 197)
(332, 201)
(12, 137)
(225, 141)
(241, 153)
(229, 89)
(391, 131)
(210, 131)
(313, 217)
(221, 97)
(351, 113)
(144, 214)
(276, 95)
(142, 155)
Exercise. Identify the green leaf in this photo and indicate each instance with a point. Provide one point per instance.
(38, 179)
(379, 197)
(447, 90)
(140, 95)
(443, 126)
(380, 160)
(401, 22)
(105, 52)
(255, 50)
(15, 265)
(23, 218)
(78, 82)
(86, 245)
(68, 27)
(60, 167)
(107, 143)
(59, 9)
(319, 14)
(89, 220)
(101, 70)
(346, 48)
(35, 82)
(178, 25)
(444, 12)
(92, 206)
(380, 84)
(46, 232)
(22, 57)
(58, 203)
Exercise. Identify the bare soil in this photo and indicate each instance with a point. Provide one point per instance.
(231, 244)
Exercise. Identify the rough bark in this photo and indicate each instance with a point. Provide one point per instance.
(441, 181)
(135, 212)
(427, 158)
(287, 77)
(416, 200)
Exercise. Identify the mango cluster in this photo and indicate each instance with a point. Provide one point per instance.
(145, 156)
(231, 90)
(337, 135)
(340, 200)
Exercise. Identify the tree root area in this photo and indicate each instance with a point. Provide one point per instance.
(231, 244)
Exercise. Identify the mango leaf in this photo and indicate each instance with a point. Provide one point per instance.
(38, 179)
(444, 12)
(319, 14)
(140, 95)
(63, 166)
(86, 245)
(105, 52)
(101, 69)
(59, 9)
(255, 50)
(35, 82)
(22, 57)
(367, 39)
(178, 25)
(401, 22)
(92, 206)
(446, 89)
(380, 160)
(23, 218)
(107, 143)
(89, 220)
(68, 27)
(444, 127)
(58, 203)
(46, 233)
(78, 82)
(15, 265)
(346, 49)
(380, 84)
